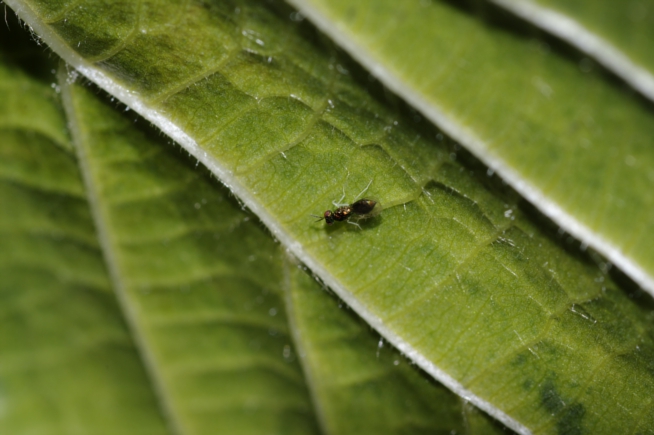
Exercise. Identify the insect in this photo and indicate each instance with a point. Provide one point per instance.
(360, 209)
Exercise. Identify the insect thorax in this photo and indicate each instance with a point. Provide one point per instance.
(342, 213)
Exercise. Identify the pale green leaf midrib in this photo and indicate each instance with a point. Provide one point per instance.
(295, 333)
(99, 215)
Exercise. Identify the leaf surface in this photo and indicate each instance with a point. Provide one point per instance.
(575, 143)
(60, 320)
(453, 272)
(359, 383)
(618, 36)
(197, 277)
(202, 284)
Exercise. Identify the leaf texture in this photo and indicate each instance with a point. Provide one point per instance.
(570, 139)
(456, 272)
(197, 277)
(360, 384)
(61, 323)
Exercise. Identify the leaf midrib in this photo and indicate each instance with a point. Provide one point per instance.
(109, 254)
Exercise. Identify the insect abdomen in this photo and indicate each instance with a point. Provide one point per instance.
(363, 206)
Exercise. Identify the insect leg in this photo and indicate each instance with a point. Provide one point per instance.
(340, 202)
(355, 224)
(363, 191)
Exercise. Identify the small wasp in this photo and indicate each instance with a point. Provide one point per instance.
(360, 209)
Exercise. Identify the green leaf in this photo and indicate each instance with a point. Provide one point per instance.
(457, 272)
(215, 333)
(361, 385)
(197, 278)
(215, 338)
(61, 323)
(214, 327)
(617, 37)
(573, 142)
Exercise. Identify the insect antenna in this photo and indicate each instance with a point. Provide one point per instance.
(320, 218)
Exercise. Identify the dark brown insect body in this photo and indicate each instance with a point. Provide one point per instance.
(360, 208)
(363, 206)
